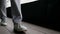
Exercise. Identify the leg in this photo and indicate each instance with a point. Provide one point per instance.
(16, 15)
(16, 11)
(3, 12)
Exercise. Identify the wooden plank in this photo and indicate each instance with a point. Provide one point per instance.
(3, 30)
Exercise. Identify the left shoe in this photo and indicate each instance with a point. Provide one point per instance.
(3, 24)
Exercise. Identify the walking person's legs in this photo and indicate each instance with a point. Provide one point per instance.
(17, 16)
(3, 12)
(15, 12)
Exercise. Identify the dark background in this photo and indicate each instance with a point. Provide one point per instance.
(45, 13)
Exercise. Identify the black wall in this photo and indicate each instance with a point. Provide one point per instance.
(44, 13)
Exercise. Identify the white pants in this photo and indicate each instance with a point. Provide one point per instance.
(15, 10)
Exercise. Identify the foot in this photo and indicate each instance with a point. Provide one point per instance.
(3, 24)
(20, 29)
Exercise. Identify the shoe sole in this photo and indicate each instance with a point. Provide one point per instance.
(22, 32)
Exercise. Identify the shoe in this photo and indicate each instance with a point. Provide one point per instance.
(3, 24)
(20, 28)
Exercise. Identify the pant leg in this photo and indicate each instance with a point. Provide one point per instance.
(16, 11)
(3, 9)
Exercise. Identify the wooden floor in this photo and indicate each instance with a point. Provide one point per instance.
(32, 29)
